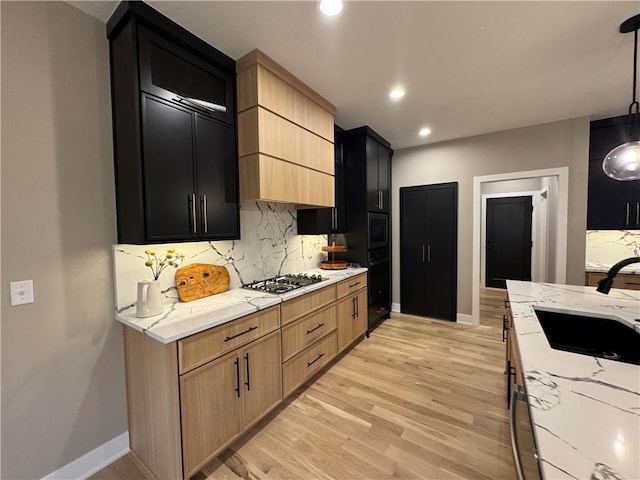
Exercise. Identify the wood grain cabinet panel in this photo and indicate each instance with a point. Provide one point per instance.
(350, 285)
(283, 118)
(303, 332)
(352, 318)
(300, 306)
(625, 281)
(222, 398)
(261, 131)
(301, 367)
(202, 347)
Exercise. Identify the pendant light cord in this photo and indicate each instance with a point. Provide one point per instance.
(634, 107)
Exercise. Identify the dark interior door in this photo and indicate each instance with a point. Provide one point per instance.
(413, 276)
(508, 248)
(441, 254)
(428, 250)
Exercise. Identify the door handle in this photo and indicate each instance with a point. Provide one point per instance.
(248, 382)
(193, 212)
(353, 307)
(237, 364)
(637, 213)
(355, 303)
(517, 393)
(423, 253)
(205, 225)
(627, 221)
(428, 253)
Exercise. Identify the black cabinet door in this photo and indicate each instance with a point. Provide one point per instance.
(384, 177)
(413, 244)
(441, 265)
(612, 205)
(167, 138)
(373, 190)
(428, 250)
(216, 179)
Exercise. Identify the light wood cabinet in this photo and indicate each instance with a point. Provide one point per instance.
(200, 348)
(299, 307)
(626, 281)
(352, 318)
(350, 285)
(300, 334)
(301, 367)
(285, 136)
(221, 399)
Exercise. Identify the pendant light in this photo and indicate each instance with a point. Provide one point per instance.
(623, 162)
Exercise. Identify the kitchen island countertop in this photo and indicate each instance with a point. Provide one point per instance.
(181, 319)
(585, 410)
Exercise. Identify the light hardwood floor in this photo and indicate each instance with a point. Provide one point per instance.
(420, 398)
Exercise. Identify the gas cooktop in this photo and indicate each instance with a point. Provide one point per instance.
(284, 283)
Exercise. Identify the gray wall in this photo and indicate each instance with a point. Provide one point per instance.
(559, 144)
(63, 388)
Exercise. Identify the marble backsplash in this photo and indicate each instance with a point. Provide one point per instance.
(269, 245)
(607, 247)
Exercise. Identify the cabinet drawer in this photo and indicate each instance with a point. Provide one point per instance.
(298, 307)
(626, 281)
(352, 284)
(308, 362)
(261, 131)
(205, 346)
(298, 335)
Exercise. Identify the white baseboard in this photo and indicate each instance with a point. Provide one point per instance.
(464, 318)
(395, 307)
(95, 460)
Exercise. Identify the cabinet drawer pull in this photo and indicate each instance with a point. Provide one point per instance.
(315, 328)
(504, 327)
(637, 213)
(205, 224)
(241, 333)
(237, 364)
(354, 284)
(248, 382)
(631, 283)
(320, 355)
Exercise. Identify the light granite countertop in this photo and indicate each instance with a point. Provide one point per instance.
(585, 410)
(633, 269)
(181, 319)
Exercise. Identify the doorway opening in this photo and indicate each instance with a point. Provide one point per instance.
(549, 191)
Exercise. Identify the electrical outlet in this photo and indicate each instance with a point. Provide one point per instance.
(21, 292)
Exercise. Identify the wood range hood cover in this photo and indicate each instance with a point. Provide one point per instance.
(285, 136)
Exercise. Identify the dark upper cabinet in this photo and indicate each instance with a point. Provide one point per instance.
(378, 161)
(173, 103)
(612, 205)
(316, 221)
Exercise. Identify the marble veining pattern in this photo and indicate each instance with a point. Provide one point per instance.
(269, 245)
(585, 410)
(604, 248)
(181, 319)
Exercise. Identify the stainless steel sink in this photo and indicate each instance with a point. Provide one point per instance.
(590, 335)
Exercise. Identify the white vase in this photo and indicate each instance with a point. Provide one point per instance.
(149, 299)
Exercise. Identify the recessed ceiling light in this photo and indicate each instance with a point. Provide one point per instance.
(424, 132)
(396, 93)
(330, 8)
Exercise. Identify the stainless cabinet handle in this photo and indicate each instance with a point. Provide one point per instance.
(193, 212)
(627, 221)
(428, 253)
(204, 214)
(423, 253)
(637, 213)
(517, 393)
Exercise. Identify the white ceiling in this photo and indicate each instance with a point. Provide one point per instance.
(469, 68)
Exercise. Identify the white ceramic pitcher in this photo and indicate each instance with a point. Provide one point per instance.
(149, 299)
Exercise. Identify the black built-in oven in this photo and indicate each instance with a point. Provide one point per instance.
(378, 230)
(378, 285)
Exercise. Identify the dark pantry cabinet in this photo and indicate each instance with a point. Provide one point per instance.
(367, 159)
(612, 205)
(316, 221)
(428, 250)
(173, 100)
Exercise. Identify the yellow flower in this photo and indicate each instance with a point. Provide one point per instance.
(148, 263)
(169, 254)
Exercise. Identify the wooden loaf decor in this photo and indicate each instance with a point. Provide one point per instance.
(200, 280)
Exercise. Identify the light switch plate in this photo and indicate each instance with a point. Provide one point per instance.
(21, 292)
